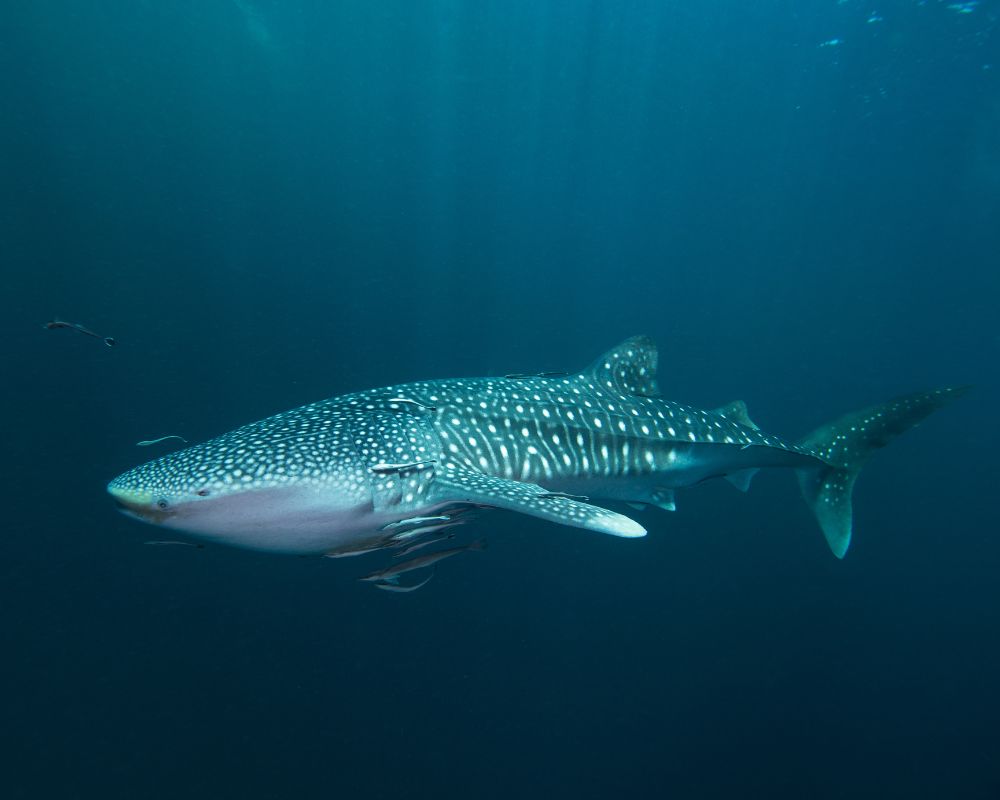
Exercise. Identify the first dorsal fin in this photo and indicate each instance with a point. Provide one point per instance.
(736, 411)
(629, 368)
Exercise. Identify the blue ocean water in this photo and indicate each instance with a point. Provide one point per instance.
(268, 203)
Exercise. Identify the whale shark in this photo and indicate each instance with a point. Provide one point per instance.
(383, 467)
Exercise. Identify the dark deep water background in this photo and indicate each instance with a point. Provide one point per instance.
(273, 202)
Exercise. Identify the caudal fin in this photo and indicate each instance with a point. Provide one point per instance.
(846, 444)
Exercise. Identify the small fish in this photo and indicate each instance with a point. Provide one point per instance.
(514, 376)
(351, 553)
(413, 521)
(148, 442)
(963, 8)
(408, 537)
(564, 495)
(391, 573)
(420, 545)
(395, 587)
(411, 402)
(174, 543)
(404, 467)
(75, 326)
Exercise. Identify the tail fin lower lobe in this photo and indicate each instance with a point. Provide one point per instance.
(846, 444)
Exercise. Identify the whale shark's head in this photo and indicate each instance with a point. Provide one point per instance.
(291, 486)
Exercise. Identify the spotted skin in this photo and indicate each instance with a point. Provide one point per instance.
(349, 473)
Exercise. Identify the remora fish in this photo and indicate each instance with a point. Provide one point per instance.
(333, 476)
(395, 587)
(436, 538)
(148, 442)
(56, 324)
(391, 573)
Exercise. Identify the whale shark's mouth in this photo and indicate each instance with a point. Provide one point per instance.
(139, 505)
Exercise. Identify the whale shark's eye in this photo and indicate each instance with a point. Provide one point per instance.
(203, 493)
(161, 504)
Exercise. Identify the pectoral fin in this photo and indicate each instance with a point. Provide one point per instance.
(455, 484)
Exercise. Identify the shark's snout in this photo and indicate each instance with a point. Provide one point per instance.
(140, 504)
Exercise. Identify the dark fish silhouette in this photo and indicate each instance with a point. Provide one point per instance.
(148, 442)
(395, 587)
(391, 573)
(174, 543)
(436, 538)
(75, 326)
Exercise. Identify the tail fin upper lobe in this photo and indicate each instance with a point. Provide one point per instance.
(846, 444)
